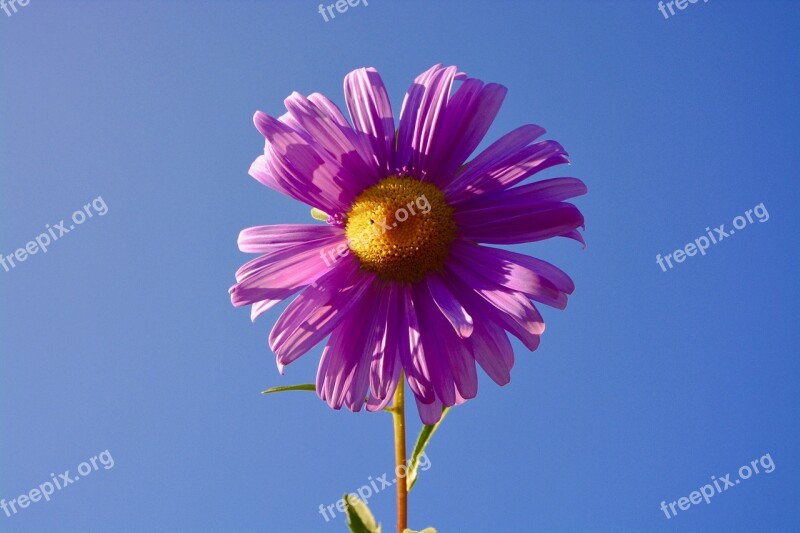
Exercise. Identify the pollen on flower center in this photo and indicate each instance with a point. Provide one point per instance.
(400, 228)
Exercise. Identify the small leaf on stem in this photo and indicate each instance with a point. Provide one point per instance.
(359, 517)
(419, 448)
(304, 386)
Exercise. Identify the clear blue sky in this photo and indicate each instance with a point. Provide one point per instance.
(122, 337)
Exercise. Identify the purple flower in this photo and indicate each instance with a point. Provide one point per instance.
(396, 278)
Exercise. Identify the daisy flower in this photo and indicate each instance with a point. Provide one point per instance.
(400, 280)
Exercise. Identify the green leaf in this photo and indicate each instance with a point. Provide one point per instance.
(419, 448)
(359, 518)
(318, 214)
(426, 530)
(304, 386)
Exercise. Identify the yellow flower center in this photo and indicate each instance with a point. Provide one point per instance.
(400, 228)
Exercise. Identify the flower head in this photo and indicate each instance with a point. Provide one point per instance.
(397, 279)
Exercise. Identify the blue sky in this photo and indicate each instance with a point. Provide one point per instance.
(122, 338)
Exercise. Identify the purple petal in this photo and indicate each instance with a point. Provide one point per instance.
(259, 308)
(576, 236)
(503, 149)
(371, 112)
(492, 350)
(341, 143)
(333, 112)
(344, 366)
(440, 376)
(429, 413)
(410, 347)
(408, 117)
(557, 277)
(385, 360)
(282, 271)
(503, 269)
(344, 370)
(303, 170)
(449, 359)
(469, 114)
(318, 310)
(452, 310)
(509, 310)
(420, 121)
(367, 343)
(509, 171)
(518, 221)
(258, 170)
(544, 191)
(262, 239)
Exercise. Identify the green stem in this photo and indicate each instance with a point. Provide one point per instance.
(399, 418)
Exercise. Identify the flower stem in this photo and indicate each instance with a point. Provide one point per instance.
(399, 417)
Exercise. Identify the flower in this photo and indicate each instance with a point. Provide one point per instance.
(396, 278)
